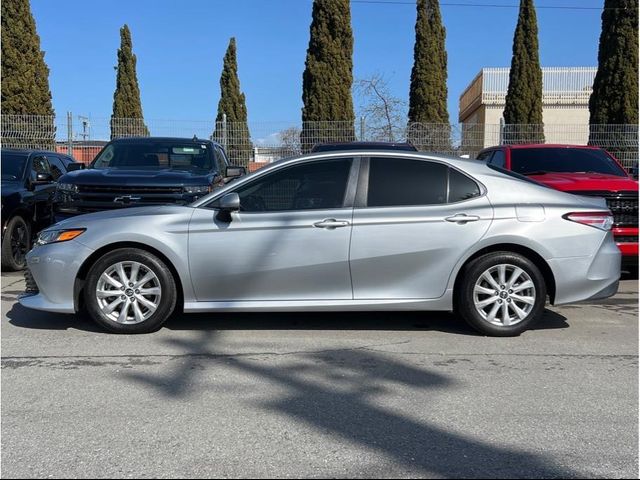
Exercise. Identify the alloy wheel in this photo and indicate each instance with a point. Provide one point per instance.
(504, 295)
(128, 292)
(19, 243)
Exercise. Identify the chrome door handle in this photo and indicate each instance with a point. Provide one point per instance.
(462, 218)
(331, 223)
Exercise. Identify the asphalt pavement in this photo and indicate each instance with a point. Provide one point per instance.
(321, 395)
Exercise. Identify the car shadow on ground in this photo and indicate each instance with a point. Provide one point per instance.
(373, 321)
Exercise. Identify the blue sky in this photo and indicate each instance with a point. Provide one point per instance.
(180, 45)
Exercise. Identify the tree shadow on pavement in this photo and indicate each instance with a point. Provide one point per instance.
(338, 393)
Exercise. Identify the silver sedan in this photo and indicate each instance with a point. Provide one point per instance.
(358, 230)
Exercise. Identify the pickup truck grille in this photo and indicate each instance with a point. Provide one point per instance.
(623, 205)
(92, 198)
(127, 190)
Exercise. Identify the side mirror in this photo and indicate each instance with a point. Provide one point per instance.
(72, 167)
(230, 202)
(42, 178)
(235, 172)
(227, 204)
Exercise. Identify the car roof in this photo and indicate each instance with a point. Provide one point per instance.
(545, 145)
(29, 151)
(335, 146)
(163, 139)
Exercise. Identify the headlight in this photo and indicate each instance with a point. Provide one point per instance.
(53, 236)
(67, 187)
(197, 189)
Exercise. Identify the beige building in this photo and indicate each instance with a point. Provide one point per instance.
(565, 105)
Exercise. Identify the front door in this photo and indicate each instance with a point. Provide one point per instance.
(289, 241)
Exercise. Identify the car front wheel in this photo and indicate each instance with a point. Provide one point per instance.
(501, 294)
(130, 291)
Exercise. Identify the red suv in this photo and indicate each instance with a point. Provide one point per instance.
(581, 170)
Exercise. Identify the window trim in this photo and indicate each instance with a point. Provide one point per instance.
(350, 190)
(363, 184)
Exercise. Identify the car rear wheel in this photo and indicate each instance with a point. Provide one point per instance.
(130, 291)
(501, 294)
(15, 244)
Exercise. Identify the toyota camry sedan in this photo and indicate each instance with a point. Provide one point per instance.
(336, 231)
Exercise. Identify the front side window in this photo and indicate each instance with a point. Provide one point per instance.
(315, 185)
(397, 182)
(40, 165)
(156, 156)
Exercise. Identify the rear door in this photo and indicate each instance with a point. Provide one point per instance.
(413, 221)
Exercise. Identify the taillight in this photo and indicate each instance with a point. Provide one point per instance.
(601, 220)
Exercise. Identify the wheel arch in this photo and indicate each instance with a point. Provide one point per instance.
(95, 256)
(526, 252)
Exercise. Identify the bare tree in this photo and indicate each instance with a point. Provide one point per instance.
(385, 115)
(290, 141)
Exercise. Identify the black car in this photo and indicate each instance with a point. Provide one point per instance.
(135, 172)
(338, 146)
(28, 187)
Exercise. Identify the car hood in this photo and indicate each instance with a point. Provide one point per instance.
(121, 214)
(585, 181)
(124, 177)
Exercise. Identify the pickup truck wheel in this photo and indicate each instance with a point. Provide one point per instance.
(130, 291)
(15, 244)
(501, 294)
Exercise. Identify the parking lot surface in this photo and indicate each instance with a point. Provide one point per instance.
(321, 395)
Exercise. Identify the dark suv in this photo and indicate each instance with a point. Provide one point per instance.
(134, 172)
(28, 188)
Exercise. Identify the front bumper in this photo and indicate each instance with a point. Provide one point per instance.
(54, 269)
(587, 278)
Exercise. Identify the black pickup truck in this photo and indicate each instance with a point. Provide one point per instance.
(135, 172)
(28, 188)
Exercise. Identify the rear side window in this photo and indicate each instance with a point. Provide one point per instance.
(498, 159)
(484, 155)
(396, 182)
(461, 187)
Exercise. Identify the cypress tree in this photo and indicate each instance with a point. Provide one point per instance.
(127, 119)
(429, 126)
(614, 99)
(327, 112)
(523, 104)
(25, 80)
(232, 104)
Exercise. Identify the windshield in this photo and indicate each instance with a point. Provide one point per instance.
(13, 165)
(538, 161)
(155, 156)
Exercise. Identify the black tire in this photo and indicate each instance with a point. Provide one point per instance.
(16, 242)
(167, 301)
(464, 295)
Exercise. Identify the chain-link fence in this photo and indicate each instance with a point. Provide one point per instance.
(259, 143)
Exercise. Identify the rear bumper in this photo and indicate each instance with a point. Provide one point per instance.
(587, 278)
